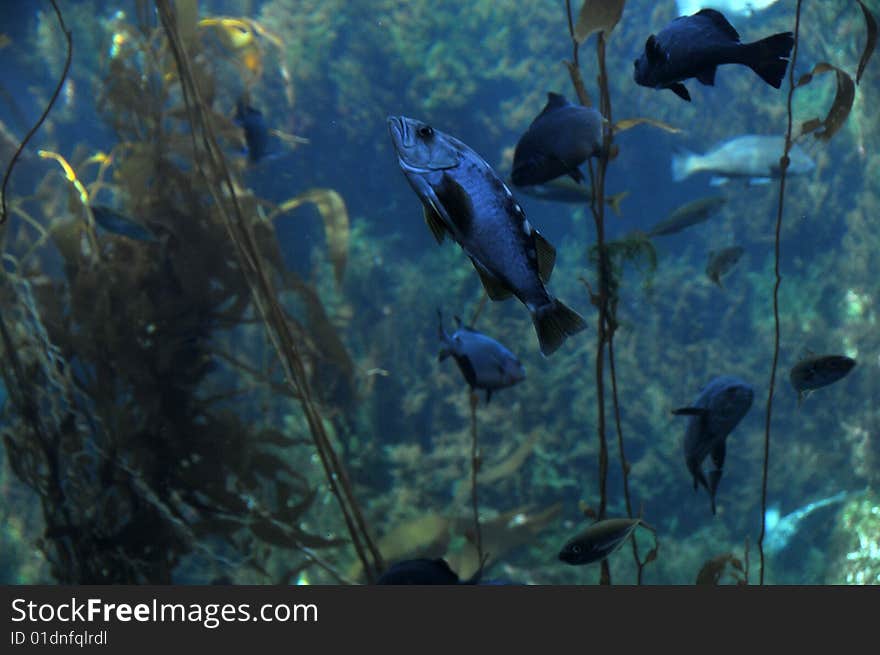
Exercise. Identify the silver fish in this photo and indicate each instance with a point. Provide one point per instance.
(816, 371)
(718, 409)
(467, 200)
(733, 7)
(750, 156)
(484, 363)
(781, 529)
(597, 541)
(561, 138)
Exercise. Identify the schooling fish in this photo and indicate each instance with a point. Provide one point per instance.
(484, 362)
(736, 7)
(256, 134)
(597, 541)
(112, 221)
(694, 46)
(749, 156)
(816, 371)
(689, 214)
(464, 198)
(722, 261)
(424, 571)
(718, 409)
(561, 138)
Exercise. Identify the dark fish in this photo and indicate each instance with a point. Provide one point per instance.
(722, 261)
(484, 362)
(424, 571)
(597, 541)
(714, 414)
(464, 198)
(564, 189)
(751, 156)
(256, 134)
(689, 214)
(112, 221)
(816, 371)
(694, 46)
(561, 138)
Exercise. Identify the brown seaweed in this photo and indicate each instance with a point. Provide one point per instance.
(870, 42)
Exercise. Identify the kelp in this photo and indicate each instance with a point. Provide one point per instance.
(597, 16)
(713, 571)
(841, 106)
(870, 40)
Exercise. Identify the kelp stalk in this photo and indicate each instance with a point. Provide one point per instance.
(264, 297)
(33, 130)
(475, 468)
(783, 167)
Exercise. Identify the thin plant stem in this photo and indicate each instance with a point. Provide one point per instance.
(475, 467)
(783, 167)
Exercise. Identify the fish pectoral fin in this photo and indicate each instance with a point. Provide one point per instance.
(707, 76)
(546, 256)
(493, 286)
(438, 227)
(680, 90)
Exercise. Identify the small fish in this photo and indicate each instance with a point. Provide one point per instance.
(722, 261)
(718, 409)
(749, 156)
(597, 541)
(816, 371)
(561, 138)
(735, 7)
(484, 362)
(256, 134)
(112, 221)
(464, 198)
(424, 571)
(694, 46)
(689, 214)
(564, 189)
(781, 529)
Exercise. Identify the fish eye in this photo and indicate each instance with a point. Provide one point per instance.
(425, 131)
(575, 549)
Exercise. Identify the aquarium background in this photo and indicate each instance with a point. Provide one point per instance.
(159, 441)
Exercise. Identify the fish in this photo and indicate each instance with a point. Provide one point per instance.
(735, 7)
(781, 529)
(694, 46)
(424, 571)
(715, 413)
(597, 541)
(463, 197)
(816, 371)
(691, 213)
(561, 138)
(722, 261)
(751, 156)
(564, 189)
(484, 363)
(117, 223)
(256, 133)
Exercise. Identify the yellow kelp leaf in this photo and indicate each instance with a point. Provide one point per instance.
(234, 33)
(597, 16)
(68, 173)
(871, 43)
(336, 227)
(627, 123)
(840, 107)
(425, 536)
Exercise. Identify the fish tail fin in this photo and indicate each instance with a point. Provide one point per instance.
(554, 322)
(683, 164)
(769, 57)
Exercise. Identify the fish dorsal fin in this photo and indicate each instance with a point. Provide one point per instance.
(653, 50)
(720, 21)
(554, 101)
(438, 228)
(546, 256)
(494, 288)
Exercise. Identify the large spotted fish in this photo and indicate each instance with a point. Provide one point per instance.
(718, 409)
(467, 200)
